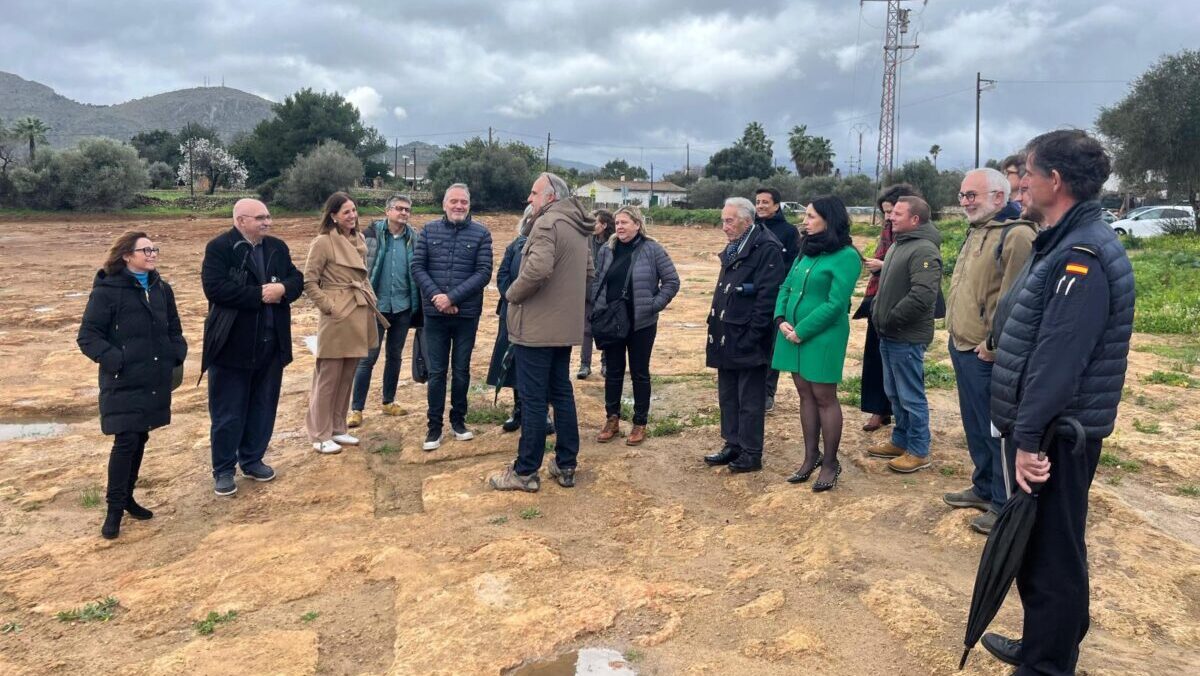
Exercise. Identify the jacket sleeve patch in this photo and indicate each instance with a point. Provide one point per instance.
(1078, 269)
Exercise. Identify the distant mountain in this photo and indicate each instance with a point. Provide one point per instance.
(582, 167)
(229, 111)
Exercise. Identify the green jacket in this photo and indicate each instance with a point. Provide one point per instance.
(378, 239)
(815, 299)
(908, 286)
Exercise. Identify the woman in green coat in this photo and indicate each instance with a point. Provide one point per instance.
(812, 313)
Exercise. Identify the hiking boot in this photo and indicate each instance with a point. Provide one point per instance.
(393, 409)
(345, 440)
(433, 440)
(1003, 648)
(724, 456)
(612, 428)
(585, 370)
(461, 432)
(259, 471)
(354, 419)
(112, 523)
(908, 463)
(509, 480)
(224, 485)
(984, 522)
(887, 450)
(636, 435)
(564, 477)
(746, 462)
(137, 511)
(967, 498)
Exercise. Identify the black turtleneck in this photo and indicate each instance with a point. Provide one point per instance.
(622, 259)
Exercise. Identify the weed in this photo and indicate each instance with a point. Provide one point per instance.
(100, 611)
(487, 415)
(531, 513)
(626, 409)
(549, 447)
(938, 376)
(948, 471)
(1126, 392)
(909, 482)
(678, 378)
(705, 418)
(90, 498)
(1113, 460)
(387, 449)
(498, 520)
(309, 616)
(209, 624)
(850, 391)
(1172, 378)
(1189, 490)
(1115, 480)
(665, 427)
(1151, 427)
(10, 628)
(633, 655)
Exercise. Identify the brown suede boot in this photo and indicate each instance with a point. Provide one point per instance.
(612, 428)
(636, 435)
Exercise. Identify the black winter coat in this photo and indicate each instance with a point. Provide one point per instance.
(741, 326)
(135, 336)
(787, 234)
(455, 260)
(230, 281)
(510, 266)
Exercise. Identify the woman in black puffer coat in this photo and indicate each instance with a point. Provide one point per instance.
(131, 329)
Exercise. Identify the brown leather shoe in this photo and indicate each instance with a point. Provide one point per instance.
(908, 463)
(612, 428)
(636, 435)
(887, 450)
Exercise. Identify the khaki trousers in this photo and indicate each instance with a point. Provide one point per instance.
(330, 398)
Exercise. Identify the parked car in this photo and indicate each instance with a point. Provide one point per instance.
(1108, 216)
(1148, 222)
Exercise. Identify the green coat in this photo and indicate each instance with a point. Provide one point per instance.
(815, 298)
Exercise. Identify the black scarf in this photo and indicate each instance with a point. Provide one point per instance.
(820, 243)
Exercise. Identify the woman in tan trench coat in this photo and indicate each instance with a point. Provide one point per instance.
(335, 278)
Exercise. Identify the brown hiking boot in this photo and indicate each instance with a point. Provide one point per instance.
(508, 480)
(887, 450)
(612, 428)
(354, 419)
(636, 435)
(908, 463)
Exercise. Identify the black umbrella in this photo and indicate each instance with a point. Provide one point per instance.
(506, 363)
(220, 319)
(1005, 548)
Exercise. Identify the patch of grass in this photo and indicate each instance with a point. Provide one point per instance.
(1151, 427)
(10, 628)
(938, 376)
(386, 449)
(1126, 393)
(1187, 353)
(487, 415)
(309, 616)
(99, 611)
(1109, 459)
(1189, 491)
(91, 498)
(850, 391)
(549, 447)
(665, 427)
(498, 520)
(678, 378)
(626, 409)
(633, 655)
(1172, 378)
(1166, 273)
(1114, 480)
(209, 624)
(705, 418)
(947, 471)
(531, 513)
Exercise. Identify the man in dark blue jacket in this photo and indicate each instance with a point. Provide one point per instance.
(768, 213)
(452, 263)
(1062, 352)
(250, 283)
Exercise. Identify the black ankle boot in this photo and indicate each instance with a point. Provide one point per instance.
(513, 423)
(137, 511)
(746, 462)
(112, 523)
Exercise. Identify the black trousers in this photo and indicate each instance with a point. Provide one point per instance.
(638, 346)
(742, 394)
(242, 404)
(1053, 579)
(124, 463)
(874, 399)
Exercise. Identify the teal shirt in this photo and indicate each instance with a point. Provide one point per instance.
(393, 288)
(143, 278)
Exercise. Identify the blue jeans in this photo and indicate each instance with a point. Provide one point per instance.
(904, 382)
(543, 376)
(448, 345)
(973, 377)
(393, 344)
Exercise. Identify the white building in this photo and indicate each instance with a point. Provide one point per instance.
(616, 192)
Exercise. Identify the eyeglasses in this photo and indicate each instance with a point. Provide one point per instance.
(401, 208)
(969, 197)
(147, 251)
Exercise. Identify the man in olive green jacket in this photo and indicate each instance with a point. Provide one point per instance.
(903, 315)
(991, 257)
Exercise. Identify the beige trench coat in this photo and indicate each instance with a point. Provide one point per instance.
(335, 278)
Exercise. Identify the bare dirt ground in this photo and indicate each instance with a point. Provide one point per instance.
(385, 559)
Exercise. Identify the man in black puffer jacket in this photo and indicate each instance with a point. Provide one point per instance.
(452, 263)
(1061, 353)
(768, 213)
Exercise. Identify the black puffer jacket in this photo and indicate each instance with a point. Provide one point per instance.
(787, 234)
(135, 336)
(741, 326)
(455, 260)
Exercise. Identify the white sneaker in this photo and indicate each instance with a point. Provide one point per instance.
(461, 432)
(328, 447)
(345, 439)
(433, 440)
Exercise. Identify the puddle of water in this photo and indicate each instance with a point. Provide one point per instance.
(585, 662)
(10, 431)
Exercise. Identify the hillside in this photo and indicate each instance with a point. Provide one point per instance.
(228, 110)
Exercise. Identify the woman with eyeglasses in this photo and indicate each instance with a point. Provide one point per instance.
(131, 329)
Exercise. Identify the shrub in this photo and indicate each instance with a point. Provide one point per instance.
(162, 176)
(96, 174)
(315, 176)
(268, 188)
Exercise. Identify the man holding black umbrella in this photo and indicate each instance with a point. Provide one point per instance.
(250, 283)
(1062, 347)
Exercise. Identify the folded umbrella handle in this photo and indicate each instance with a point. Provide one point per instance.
(1054, 429)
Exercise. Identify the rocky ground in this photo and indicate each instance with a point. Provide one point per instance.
(385, 559)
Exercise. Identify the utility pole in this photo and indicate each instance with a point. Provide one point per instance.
(191, 169)
(547, 151)
(687, 163)
(897, 26)
(489, 137)
(651, 186)
(980, 85)
(861, 128)
(396, 160)
(414, 185)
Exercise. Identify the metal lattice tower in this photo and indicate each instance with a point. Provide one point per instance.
(897, 27)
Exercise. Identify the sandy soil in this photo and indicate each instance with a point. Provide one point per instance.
(413, 567)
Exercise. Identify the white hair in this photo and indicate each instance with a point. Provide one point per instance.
(460, 186)
(996, 181)
(558, 187)
(523, 225)
(745, 208)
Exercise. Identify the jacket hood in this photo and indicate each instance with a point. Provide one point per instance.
(777, 219)
(996, 222)
(572, 211)
(121, 279)
(924, 231)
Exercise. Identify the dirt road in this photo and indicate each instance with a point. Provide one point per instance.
(385, 559)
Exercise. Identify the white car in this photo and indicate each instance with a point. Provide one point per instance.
(1151, 221)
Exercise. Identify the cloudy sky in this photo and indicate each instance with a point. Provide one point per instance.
(619, 78)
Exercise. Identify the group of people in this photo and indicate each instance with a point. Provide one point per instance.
(1039, 316)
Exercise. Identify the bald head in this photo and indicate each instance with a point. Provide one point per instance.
(252, 219)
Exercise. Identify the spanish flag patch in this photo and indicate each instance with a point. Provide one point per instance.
(1077, 269)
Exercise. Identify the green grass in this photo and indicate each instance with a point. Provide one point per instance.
(209, 624)
(530, 513)
(633, 655)
(674, 216)
(1114, 461)
(947, 471)
(498, 520)
(850, 391)
(679, 378)
(1189, 491)
(100, 611)
(487, 415)
(1185, 353)
(10, 628)
(1166, 274)
(386, 449)
(1114, 480)
(1150, 427)
(309, 616)
(665, 427)
(91, 498)
(1172, 378)
(938, 376)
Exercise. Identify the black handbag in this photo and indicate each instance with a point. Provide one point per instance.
(420, 368)
(611, 324)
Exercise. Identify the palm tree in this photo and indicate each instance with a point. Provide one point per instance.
(812, 155)
(934, 150)
(33, 129)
